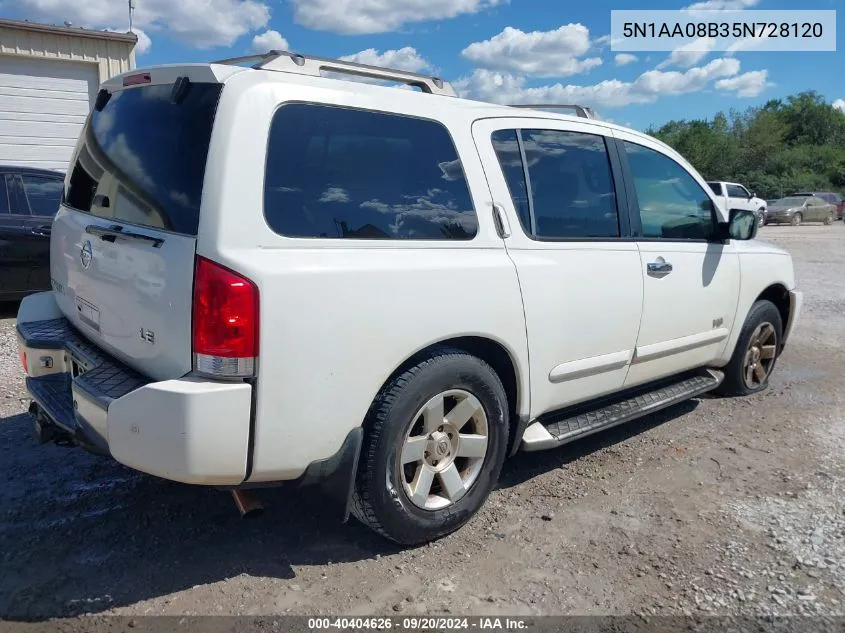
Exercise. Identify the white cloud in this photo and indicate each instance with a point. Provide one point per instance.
(144, 42)
(201, 23)
(379, 16)
(406, 58)
(709, 5)
(496, 87)
(839, 104)
(623, 59)
(689, 54)
(542, 53)
(269, 41)
(748, 84)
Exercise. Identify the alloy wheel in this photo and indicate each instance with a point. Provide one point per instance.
(443, 451)
(760, 355)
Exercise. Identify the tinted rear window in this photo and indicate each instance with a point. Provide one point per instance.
(144, 155)
(336, 172)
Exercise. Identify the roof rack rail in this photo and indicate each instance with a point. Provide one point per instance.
(581, 111)
(285, 61)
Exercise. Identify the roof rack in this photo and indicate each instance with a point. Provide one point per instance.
(581, 111)
(285, 61)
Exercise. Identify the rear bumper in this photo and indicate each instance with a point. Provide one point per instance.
(189, 430)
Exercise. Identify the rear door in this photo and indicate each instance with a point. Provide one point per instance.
(124, 239)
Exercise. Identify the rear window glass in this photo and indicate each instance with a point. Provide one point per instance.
(143, 157)
(335, 172)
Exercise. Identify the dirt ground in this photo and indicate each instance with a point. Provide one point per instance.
(715, 506)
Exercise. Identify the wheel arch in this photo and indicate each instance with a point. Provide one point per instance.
(504, 362)
(778, 294)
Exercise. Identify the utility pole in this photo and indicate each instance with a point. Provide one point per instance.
(131, 12)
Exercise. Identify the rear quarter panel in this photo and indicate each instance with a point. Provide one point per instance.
(339, 316)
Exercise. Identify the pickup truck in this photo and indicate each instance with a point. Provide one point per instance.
(262, 276)
(732, 195)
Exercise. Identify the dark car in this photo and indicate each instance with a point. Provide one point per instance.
(29, 198)
(832, 197)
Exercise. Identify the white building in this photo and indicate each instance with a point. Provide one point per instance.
(49, 77)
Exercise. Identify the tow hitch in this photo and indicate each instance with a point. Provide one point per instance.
(46, 431)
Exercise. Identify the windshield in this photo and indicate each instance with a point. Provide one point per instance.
(142, 158)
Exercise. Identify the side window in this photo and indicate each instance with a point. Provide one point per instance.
(716, 187)
(506, 144)
(44, 194)
(570, 182)
(735, 191)
(672, 204)
(335, 172)
(17, 199)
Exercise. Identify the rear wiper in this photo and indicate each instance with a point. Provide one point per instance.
(114, 232)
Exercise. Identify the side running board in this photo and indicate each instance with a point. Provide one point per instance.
(577, 422)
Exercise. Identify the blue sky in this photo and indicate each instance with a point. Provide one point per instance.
(500, 50)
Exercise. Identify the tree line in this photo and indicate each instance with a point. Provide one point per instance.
(784, 146)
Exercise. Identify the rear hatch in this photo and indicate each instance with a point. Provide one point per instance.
(124, 240)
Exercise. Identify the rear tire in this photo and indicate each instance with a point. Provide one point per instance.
(756, 352)
(425, 468)
(796, 219)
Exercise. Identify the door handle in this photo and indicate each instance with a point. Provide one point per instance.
(659, 268)
(43, 230)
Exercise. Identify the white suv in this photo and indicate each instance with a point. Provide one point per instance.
(263, 275)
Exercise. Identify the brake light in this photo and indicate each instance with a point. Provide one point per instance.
(225, 321)
(135, 80)
(24, 364)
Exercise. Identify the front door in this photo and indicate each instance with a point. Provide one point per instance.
(559, 185)
(43, 195)
(690, 280)
(16, 239)
(739, 198)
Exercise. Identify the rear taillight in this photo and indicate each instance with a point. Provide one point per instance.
(225, 322)
(24, 364)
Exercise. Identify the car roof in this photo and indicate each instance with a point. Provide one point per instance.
(225, 71)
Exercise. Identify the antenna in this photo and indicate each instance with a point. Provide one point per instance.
(131, 12)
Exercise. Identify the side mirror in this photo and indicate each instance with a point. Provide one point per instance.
(741, 226)
(752, 195)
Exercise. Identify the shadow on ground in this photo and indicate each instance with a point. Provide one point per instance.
(83, 534)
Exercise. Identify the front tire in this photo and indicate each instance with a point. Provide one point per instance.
(829, 219)
(756, 352)
(434, 445)
(761, 217)
(796, 219)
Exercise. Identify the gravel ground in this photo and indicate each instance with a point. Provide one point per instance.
(716, 506)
